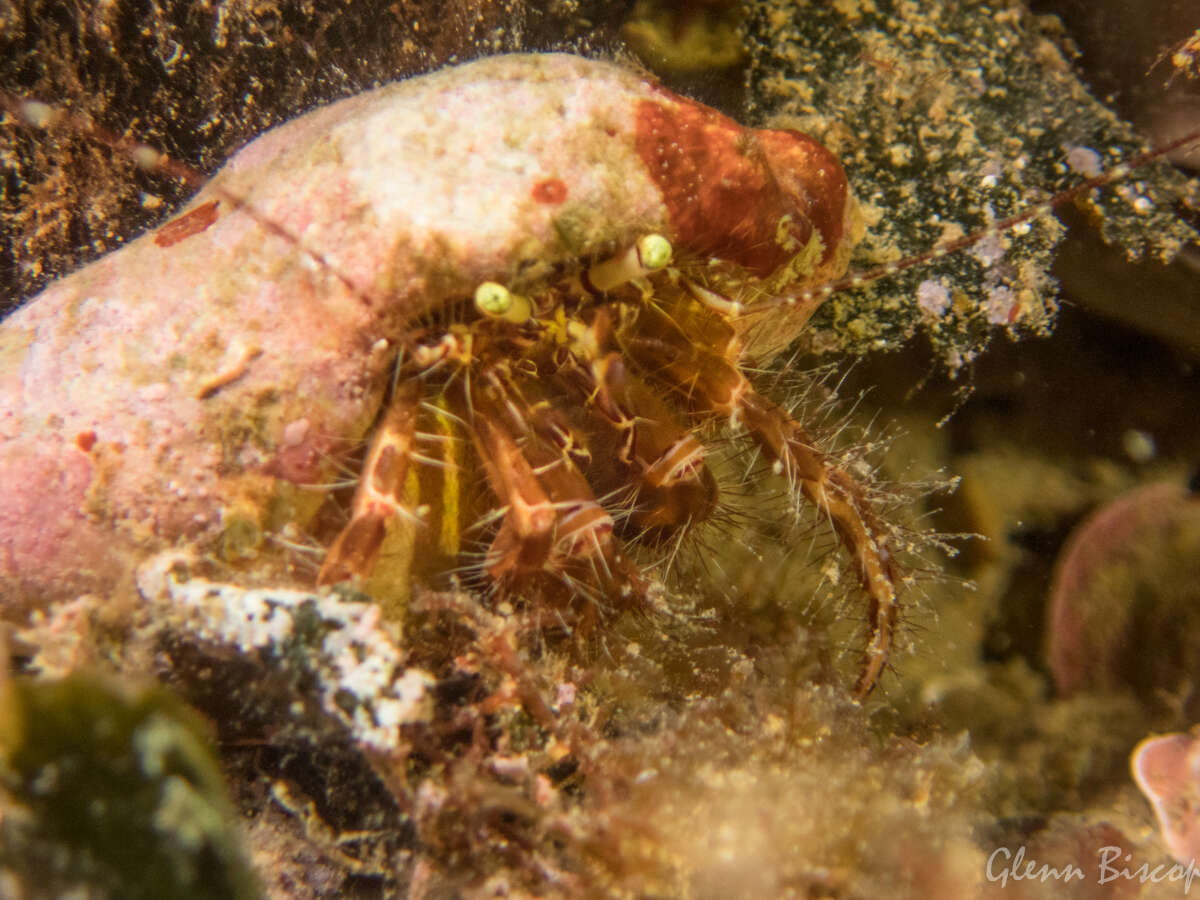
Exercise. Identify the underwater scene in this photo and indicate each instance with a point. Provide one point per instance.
(565, 448)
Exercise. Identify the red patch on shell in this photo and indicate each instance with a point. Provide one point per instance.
(186, 225)
(549, 190)
(86, 440)
(726, 187)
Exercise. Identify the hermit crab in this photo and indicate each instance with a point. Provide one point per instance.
(543, 268)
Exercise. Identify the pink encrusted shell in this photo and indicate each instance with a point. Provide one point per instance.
(279, 294)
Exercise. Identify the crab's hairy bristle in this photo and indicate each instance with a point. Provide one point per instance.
(859, 279)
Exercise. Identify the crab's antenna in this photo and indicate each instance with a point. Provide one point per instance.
(819, 292)
(37, 114)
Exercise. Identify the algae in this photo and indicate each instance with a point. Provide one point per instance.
(112, 791)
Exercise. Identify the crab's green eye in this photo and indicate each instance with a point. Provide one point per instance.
(497, 302)
(650, 253)
(492, 299)
(654, 251)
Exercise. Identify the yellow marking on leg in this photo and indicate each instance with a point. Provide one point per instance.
(449, 537)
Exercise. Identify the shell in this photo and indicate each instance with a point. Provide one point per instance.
(180, 389)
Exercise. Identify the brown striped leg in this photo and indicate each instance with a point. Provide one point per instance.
(583, 547)
(380, 492)
(842, 500)
(526, 534)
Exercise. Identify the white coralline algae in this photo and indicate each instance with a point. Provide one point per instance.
(353, 655)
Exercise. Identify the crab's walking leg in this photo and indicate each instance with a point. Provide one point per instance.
(842, 500)
(674, 487)
(526, 535)
(712, 384)
(380, 492)
(582, 548)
